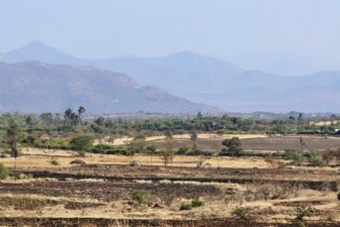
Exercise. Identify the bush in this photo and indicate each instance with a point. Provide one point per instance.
(301, 212)
(197, 152)
(242, 213)
(3, 172)
(102, 148)
(194, 203)
(315, 159)
(25, 176)
(197, 203)
(225, 152)
(54, 161)
(141, 196)
(185, 206)
(183, 150)
(294, 155)
(81, 143)
(233, 145)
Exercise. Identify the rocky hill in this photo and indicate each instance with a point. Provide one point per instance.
(209, 80)
(40, 87)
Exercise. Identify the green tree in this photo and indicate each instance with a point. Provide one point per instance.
(300, 118)
(46, 118)
(81, 143)
(81, 110)
(100, 121)
(137, 145)
(67, 114)
(193, 138)
(13, 137)
(233, 145)
(168, 152)
(71, 118)
(302, 143)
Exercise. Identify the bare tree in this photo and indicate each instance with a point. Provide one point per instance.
(168, 152)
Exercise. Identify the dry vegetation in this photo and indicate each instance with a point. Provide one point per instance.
(236, 191)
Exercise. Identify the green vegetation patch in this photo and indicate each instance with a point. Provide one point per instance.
(141, 196)
(3, 171)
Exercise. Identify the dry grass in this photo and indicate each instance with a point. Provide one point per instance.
(42, 158)
(127, 140)
(268, 202)
(324, 123)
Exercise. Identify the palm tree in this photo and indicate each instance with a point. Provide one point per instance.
(81, 110)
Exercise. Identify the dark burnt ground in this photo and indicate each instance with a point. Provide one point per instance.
(106, 191)
(312, 178)
(102, 222)
(116, 182)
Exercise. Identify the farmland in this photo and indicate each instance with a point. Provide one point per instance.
(99, 192)
(274, 180)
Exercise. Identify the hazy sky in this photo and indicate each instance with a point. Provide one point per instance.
(221, 28)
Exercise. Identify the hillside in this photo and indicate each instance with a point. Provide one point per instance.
(208, 80)
(41, 87)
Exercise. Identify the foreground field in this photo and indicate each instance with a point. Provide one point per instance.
(244, 191)
(47, 190)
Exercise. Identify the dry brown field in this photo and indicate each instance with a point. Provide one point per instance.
(237, 191)
(257, 142)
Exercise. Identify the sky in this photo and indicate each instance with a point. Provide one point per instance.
(226, 29)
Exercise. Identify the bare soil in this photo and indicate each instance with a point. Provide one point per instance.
(99, 192)
(259, 143)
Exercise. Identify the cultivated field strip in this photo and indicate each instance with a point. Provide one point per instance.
(314, 179)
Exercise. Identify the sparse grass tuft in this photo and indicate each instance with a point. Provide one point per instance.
(3, 172)
(141, 196)
(197, 203)
(185, 206)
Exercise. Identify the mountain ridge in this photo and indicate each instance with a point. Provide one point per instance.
(41, 87)
(219, 83)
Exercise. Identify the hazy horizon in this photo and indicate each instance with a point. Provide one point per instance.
(268, 35)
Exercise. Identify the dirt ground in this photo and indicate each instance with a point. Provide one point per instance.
(244, 191)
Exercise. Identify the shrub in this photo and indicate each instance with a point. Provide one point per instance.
(141, 196)
(197, 203)
(197, 152)
(185, 206)
(54, 161)
(242, 213)
(315, 159)
(294, 155)
(81, 143)
(302, 212)
(233, 145)
(183, 150)
(3, 172)
(25, 176)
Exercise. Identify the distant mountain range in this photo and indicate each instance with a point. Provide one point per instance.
(208, 80)
(283, 64)
(37, 87)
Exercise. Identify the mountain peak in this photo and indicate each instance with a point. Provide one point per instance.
(35, 46)
(185, 55)
(194, 61)
(36, 43)
(38, 51)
